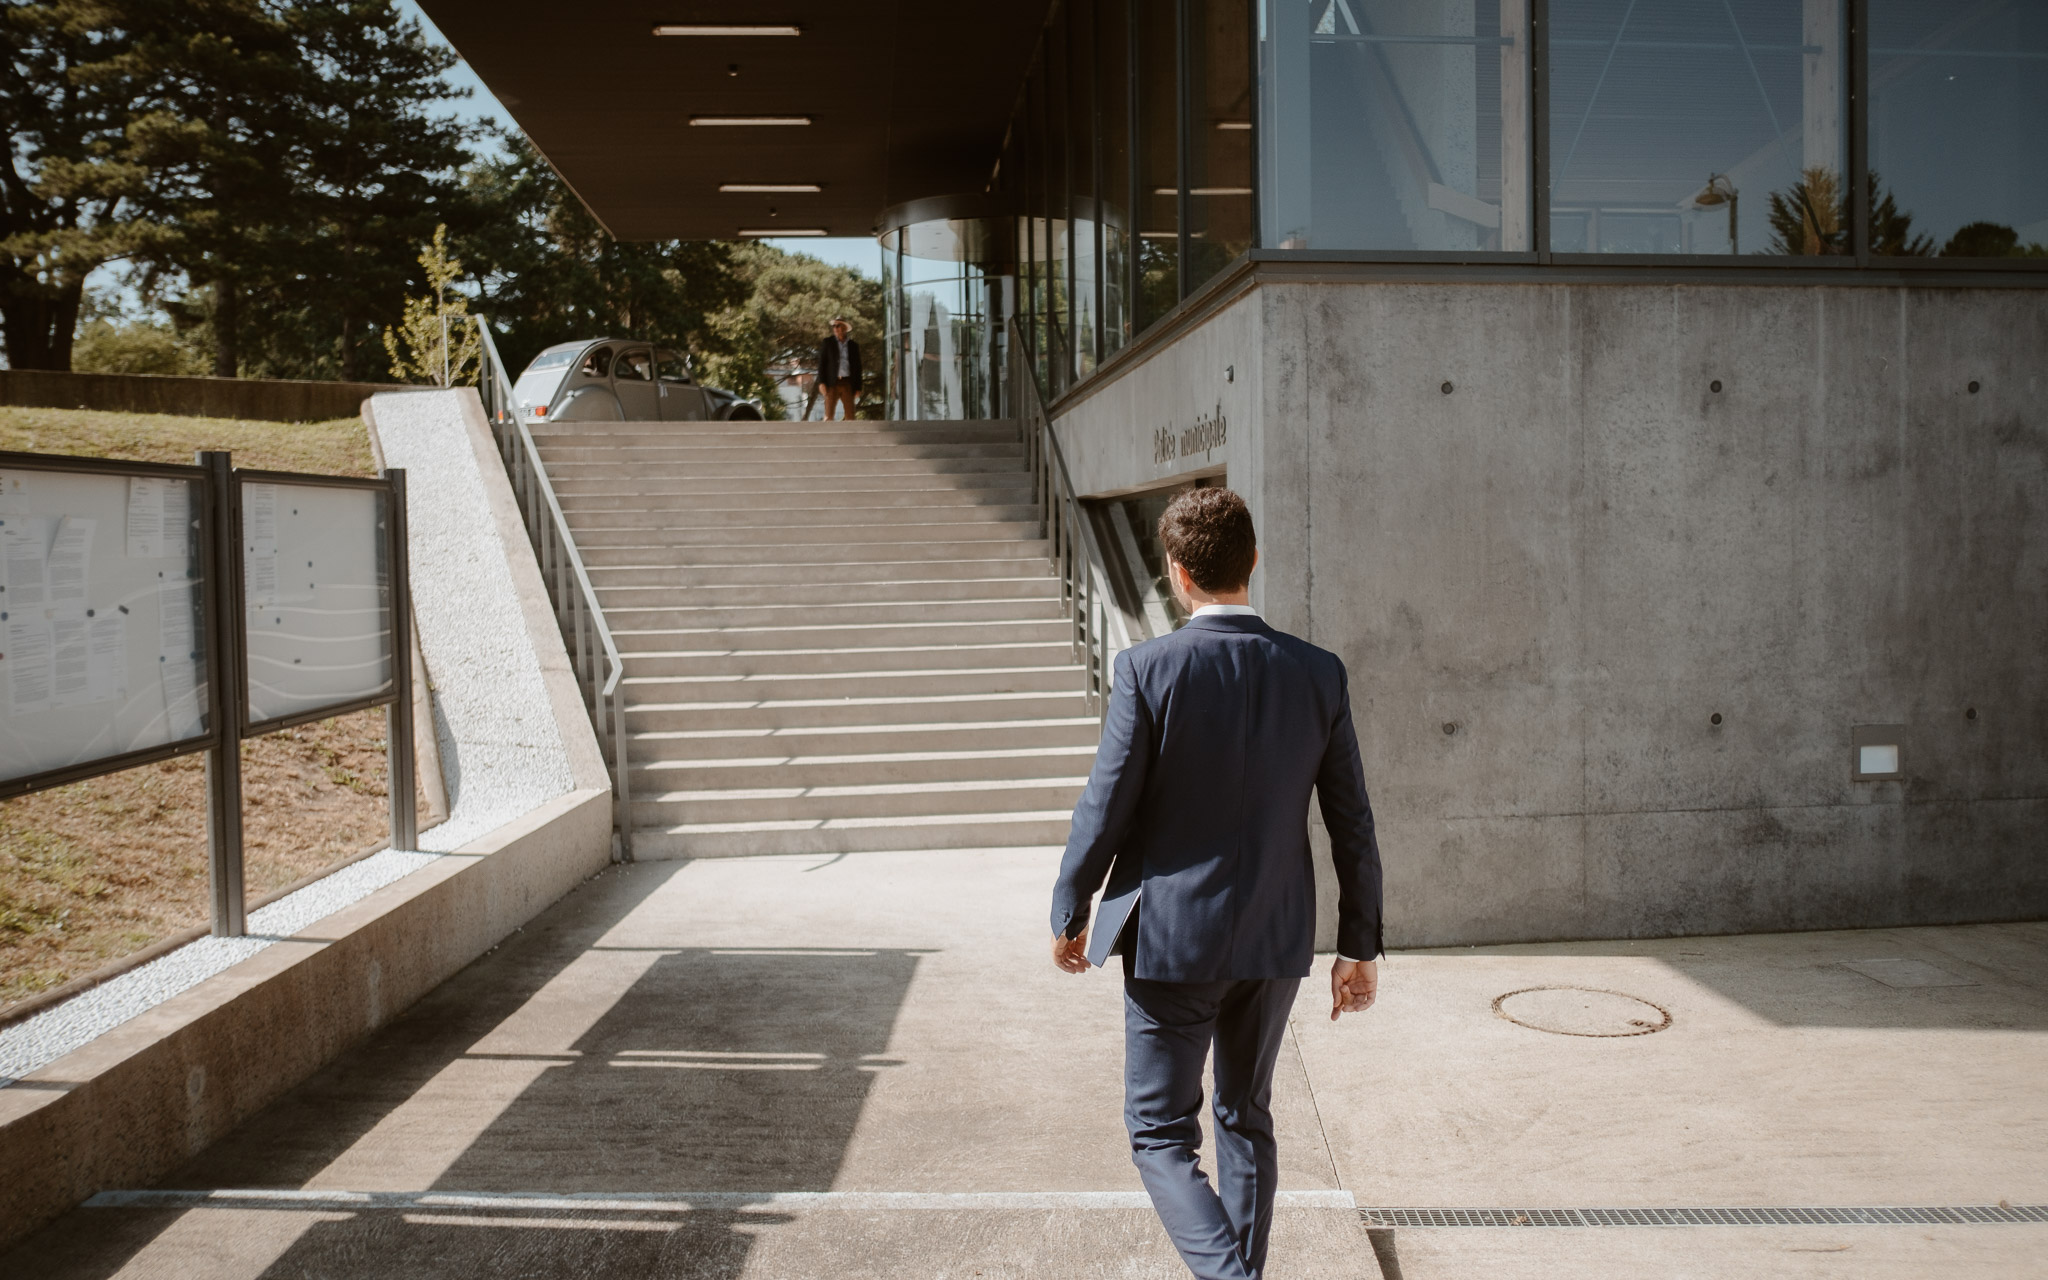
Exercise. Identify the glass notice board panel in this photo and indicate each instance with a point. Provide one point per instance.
(316, 592)
(102, 643)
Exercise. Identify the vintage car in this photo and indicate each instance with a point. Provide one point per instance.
(619, 380)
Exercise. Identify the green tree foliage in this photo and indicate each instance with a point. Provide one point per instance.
(67, 193)
(550, 272)
(1989, 240)
(791, 300)
(1811, 218)
(378, 168)
(436, 342)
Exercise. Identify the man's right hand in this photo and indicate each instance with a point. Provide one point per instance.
(1071, 954)
(1354, 985)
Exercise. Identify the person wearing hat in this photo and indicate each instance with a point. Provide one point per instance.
(839, 368)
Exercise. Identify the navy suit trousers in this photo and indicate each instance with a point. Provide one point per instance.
(1169, 1029)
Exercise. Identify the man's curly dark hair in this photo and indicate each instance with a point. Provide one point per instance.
(1209, 531)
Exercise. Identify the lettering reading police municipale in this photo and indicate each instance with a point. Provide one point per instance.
(1208, 433)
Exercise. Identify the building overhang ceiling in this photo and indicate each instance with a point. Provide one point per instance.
(907, 99)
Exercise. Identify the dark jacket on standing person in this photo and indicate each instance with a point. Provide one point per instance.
(828, 361)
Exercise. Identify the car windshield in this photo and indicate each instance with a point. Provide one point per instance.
(552, 359)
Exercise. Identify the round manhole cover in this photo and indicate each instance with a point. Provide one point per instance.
(1582, 1011)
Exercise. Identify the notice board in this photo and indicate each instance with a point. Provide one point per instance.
(316, 594)
(102, 631)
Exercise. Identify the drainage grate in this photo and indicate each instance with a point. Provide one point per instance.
(1861, 1216)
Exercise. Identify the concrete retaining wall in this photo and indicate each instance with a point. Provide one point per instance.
(1581, 553)
(256, 399)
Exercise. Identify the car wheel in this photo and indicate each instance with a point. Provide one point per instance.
(745, 413)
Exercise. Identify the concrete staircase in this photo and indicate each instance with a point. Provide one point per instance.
(837, 637)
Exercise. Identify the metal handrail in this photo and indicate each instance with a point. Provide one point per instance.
(1099, 633)
(574, 600)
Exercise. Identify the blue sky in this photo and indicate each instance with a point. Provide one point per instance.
(858, 252)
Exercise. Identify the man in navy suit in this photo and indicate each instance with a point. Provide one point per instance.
(1196, 817)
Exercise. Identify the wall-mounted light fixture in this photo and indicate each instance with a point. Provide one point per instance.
(1877, 752)
(770, 188)
(725, 29)
(702, 122)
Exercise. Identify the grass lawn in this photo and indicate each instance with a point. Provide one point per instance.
(92, 871)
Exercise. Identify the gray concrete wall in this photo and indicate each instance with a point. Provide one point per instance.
(256, 399)
(1582, 553)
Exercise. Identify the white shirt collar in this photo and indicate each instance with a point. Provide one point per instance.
(1227, 611)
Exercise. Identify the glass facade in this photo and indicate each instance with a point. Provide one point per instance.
(1959, 129)
(1395, 125)
(1156, 142)
(947, 292)
(1696, 126)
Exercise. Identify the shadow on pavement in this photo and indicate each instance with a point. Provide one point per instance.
(555, 1064)
(1966, 977)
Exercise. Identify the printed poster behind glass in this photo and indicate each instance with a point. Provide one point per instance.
(316, 597)
(102, 645)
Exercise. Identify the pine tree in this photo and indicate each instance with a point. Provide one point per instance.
(67, 195)
(380, 170)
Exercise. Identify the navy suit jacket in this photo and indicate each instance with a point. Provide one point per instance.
(1214, 737)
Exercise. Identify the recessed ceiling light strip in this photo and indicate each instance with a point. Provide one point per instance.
(770, 188)
(743, 121)
(724, 29)
(753, 233)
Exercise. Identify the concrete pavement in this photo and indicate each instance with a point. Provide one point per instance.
(700, 1040)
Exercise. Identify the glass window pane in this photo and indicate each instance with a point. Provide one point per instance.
(1399, 126)
(1086, 128)
(317, 590)
(1113, 19)
(1220, 152)
(1158, 133)
(102, 646)
(1696, 126)
(1959, 128)
(1058, 181)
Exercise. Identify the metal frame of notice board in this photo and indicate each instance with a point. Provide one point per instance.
(216, 546)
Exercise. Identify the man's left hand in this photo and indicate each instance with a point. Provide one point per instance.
(1071, 954)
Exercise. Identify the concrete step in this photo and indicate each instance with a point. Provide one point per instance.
(879, 800)
(817, 554)
(865, 711)
(715, 664)
(792, 436)
(860, 769)
(815, 740)
(794, 431)
(753, 687)
(910, 482)
(695, 454)
(771, 465)
(666, 629)
(860, 835)
(767, 516)
(682, 614)
(723, 497)
(854, 575)
(909, 593)
(947, 533)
